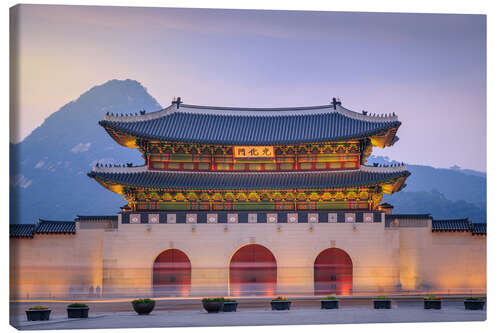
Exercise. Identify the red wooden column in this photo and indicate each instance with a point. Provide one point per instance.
(333, 272)
(252, 271)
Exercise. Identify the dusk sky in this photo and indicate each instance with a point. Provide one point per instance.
(429, 69)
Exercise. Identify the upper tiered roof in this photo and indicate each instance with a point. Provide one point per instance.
(251, 126)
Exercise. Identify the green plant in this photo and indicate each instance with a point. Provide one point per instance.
(229, 300)
(473, 299)
(432, 298)
(38, 307)
(215, 299)
(142, 300)
(329, 298)
(381, 297)
(280, 298)
(78, 305)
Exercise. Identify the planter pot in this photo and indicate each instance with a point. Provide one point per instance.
(432, 304)
(329, 304)
(213, 306)
(474, 304)
(229, 306)
(143, 308)
(78, 312)
(381, 303)
(38, 314)
(280, 305)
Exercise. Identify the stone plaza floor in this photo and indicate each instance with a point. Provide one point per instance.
(257, 313)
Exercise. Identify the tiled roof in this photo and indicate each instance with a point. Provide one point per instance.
(478, 228)
(42, 227)
(407, 216)
(55, 227)
(141, 176)
(451, 225)
(96, 217)
(242, 126)
(21, 230)
(389, 218)
(459, 225)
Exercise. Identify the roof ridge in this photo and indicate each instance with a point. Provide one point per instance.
(410, 214)
(130, 118)
(55, 221)
(385, 169)
(251, 111)
(452, 220)
(382, 118)
(261, 109)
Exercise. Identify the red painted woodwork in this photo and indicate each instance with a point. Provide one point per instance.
(333, 272)
(252, 271)
(172, 274)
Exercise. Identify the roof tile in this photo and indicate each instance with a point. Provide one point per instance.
(249, 180)
(237, 126)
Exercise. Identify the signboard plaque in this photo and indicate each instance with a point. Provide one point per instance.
(253, 152)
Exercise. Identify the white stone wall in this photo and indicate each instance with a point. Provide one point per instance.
(57, 265)
(119, 262)
(130, 252)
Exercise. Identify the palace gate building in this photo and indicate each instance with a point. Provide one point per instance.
(247, 201)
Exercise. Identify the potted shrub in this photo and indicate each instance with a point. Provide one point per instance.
(38, 313)
(474, 303)
(330, 302)
(78, 310)
(143, 306)
(432, 302)
(213, 305)
(381, 302)
(230, 305)
(280, 303)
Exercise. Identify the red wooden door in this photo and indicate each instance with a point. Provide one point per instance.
(333, 272)
(252, 271)
(172, 274)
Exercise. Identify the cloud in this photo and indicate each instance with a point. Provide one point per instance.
(81, 147)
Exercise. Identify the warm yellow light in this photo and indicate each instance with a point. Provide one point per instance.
(130, 142)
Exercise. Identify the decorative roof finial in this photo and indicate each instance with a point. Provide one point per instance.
(335, 102)
(177, 101)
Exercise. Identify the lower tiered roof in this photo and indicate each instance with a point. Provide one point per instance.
(143, 177)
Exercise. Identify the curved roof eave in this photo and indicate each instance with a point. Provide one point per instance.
(356, 136)
(142, 177)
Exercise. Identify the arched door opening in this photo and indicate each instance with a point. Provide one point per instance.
(333, 272)
(252, 271)
(172, 274)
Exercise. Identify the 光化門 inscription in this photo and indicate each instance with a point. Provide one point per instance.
(253, 152)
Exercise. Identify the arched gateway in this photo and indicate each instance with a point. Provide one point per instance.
(172, 274)
(252, 271)
(333, 272)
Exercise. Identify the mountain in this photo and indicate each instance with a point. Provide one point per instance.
(49, 167)
(437, 204)
(445, 193)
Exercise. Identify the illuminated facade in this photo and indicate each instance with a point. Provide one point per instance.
(233, 159)
(244, 201)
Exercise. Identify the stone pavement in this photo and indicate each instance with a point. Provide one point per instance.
(408, 311)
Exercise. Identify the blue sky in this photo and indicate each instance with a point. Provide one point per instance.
(429, 69)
